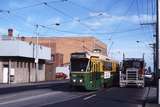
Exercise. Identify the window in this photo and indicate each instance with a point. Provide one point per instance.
(32, 65)
(79, 64)
(17, 64)
(40, 66)
(21, 64)
(25, 63)
(52, 57)
(109, 66)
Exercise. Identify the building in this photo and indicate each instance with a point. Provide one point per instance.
(67, 45)
(17, 61)
(62, 47)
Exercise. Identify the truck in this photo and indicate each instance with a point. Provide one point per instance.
(132, 72)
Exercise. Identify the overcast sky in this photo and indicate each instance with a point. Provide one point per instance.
(115, 22)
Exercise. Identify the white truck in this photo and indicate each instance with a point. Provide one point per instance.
(132, 72)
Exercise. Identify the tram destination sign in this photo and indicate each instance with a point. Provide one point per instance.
(78, 55)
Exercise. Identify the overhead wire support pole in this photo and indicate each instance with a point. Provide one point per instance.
(36, 58)
(157, 50)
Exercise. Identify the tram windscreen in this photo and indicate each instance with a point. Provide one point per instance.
(79, 65)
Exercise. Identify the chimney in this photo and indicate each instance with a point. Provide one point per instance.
(10, 33)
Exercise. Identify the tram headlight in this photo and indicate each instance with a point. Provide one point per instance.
(74, 80)
(80, 80)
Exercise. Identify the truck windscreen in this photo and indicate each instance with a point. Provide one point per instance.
(133, 64)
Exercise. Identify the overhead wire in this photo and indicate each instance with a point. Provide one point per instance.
(35, 5)
(69, 16)
(99, 33)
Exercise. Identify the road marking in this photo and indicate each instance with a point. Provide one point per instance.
(29, 98)
(139, 105)
(86, 98)
(5, 97)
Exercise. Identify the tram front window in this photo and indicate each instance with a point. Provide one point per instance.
(79, 65)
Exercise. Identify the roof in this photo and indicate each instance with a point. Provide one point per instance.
(17, 48)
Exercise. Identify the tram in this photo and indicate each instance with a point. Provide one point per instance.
(91, 70)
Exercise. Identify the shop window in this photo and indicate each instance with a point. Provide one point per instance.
(40, 66)
(52, 57)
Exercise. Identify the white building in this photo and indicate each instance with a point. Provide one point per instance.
(17, 61)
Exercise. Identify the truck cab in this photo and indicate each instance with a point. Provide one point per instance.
(132, 72)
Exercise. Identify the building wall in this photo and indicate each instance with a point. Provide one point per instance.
(41, 74)
(62, 47)
(1, 71)
(22, 72)
(24, 49)
(68, 45)
(49, 74)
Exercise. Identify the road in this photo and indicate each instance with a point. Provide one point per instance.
(62, 96)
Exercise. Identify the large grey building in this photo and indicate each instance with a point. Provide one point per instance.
(17, 61)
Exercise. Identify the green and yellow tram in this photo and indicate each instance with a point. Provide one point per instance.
(91, 70)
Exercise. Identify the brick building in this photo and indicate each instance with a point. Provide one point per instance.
(62, 47)
(67, 45)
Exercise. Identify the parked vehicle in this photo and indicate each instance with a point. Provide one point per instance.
(61, 75)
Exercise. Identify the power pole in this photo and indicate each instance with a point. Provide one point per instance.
(157, 51)
(36, 58)
(154, 56)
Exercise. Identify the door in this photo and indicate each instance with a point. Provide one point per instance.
(5, 75)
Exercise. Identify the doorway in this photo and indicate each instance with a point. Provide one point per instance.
(5, 73)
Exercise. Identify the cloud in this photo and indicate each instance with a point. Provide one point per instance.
(107, 21)
(3, 31)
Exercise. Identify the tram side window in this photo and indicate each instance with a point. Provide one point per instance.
(109, 66)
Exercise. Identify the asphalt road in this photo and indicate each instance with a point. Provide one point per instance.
(113, 97)
(62, 96)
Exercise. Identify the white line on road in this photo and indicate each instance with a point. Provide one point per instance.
(29, 98)
(86, 98)
(140, 105)
(5, 97)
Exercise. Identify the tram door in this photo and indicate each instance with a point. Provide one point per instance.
(95, 74)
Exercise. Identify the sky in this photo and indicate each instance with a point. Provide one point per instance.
(118, 23)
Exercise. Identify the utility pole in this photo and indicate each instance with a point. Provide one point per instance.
(36, 58)
(157, 50)
(152, 45)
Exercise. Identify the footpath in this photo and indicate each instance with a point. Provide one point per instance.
(11, 88)
(151, 98)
